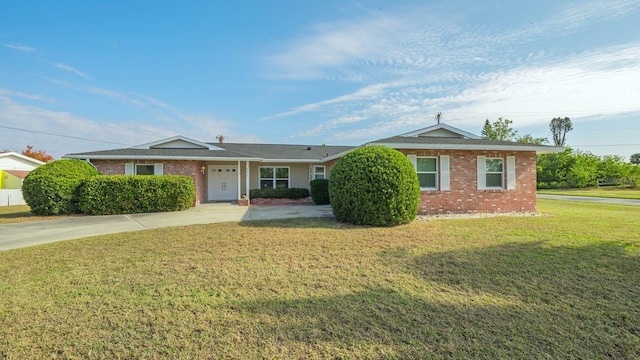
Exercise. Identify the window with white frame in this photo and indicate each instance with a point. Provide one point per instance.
(145, 169)
(274, 177)
(494, 173)
(427, 169)
(319, 172)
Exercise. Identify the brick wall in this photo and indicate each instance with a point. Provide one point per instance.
(179, 167)
(464, 196)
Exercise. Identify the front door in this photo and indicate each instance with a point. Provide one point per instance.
(223, 182)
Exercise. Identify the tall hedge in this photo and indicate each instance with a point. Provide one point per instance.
(127, 194)
(320, 191)
(374, 185)
(51, 189)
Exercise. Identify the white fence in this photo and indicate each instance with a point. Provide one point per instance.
(11, 197)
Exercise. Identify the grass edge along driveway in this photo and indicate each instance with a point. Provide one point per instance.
(564, 285)
(604, 192)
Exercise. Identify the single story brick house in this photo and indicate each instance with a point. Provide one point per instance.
(459, 172)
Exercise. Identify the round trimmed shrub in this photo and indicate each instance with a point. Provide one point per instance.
(374, 185)
(320, 191)
(51, 189)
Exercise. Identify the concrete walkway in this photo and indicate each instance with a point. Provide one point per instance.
(590, 199)
(18, 235)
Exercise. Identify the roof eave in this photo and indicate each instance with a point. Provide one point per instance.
(157, 157)
(338, 155)
(539, 149)
(292, 160)
(23, 157)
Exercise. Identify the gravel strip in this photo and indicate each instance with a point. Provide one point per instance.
(473, 216)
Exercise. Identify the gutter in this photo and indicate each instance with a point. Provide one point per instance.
(539, 149)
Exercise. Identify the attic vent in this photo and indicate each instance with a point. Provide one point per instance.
(308, 147)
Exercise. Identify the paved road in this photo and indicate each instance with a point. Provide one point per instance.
(31, 233)
(590, 199)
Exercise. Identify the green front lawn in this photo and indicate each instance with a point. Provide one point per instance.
(564, 285)
(15, 213)
(20, 213)
(606, 192)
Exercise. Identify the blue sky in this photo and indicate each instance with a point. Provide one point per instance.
(336, 72)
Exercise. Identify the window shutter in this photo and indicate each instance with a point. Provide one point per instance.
(482, 172)
(511, 172)
(128, 168)
(444, 173)
(311, 173)
(414, 161)
(157, 169)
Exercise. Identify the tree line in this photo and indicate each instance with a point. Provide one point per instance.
(571, 168)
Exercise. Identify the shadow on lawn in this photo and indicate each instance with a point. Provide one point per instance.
(603, 272)
(511, 301)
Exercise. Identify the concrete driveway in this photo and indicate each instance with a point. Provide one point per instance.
(590, 199)
(17, 235)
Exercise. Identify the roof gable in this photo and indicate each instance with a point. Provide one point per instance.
(441, 130)
(445, 137)
(14, 161)
(177, 142)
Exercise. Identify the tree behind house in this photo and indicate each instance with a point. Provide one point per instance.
(38, 155)
(499, 130)
(559, 128)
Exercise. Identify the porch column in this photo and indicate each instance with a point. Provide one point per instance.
(239, 181)
(246, 174)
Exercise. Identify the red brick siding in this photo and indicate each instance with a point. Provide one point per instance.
(179, 167)
(464, 196)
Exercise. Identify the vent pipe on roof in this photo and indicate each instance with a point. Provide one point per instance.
(308, 147)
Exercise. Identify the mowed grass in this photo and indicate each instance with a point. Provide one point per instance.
(563, 285)
(9, 213)
(20, 213)
(605, 192)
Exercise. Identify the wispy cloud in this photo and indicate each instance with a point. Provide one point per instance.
(588, 84)
(12, 93)
(364, 93)
(408, 41)
(607, 80)
(163, 115)
(571, 17)
(16, 115)
(20, 47)
(422, 63)
(71, 70)
(327, 46)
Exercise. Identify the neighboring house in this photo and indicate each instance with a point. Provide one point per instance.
(459, 172)
(14, 168)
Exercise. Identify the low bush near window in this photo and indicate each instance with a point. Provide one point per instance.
(320, 191)
(374, 185)
(281, 193)
(51, 189)
(124, 194)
